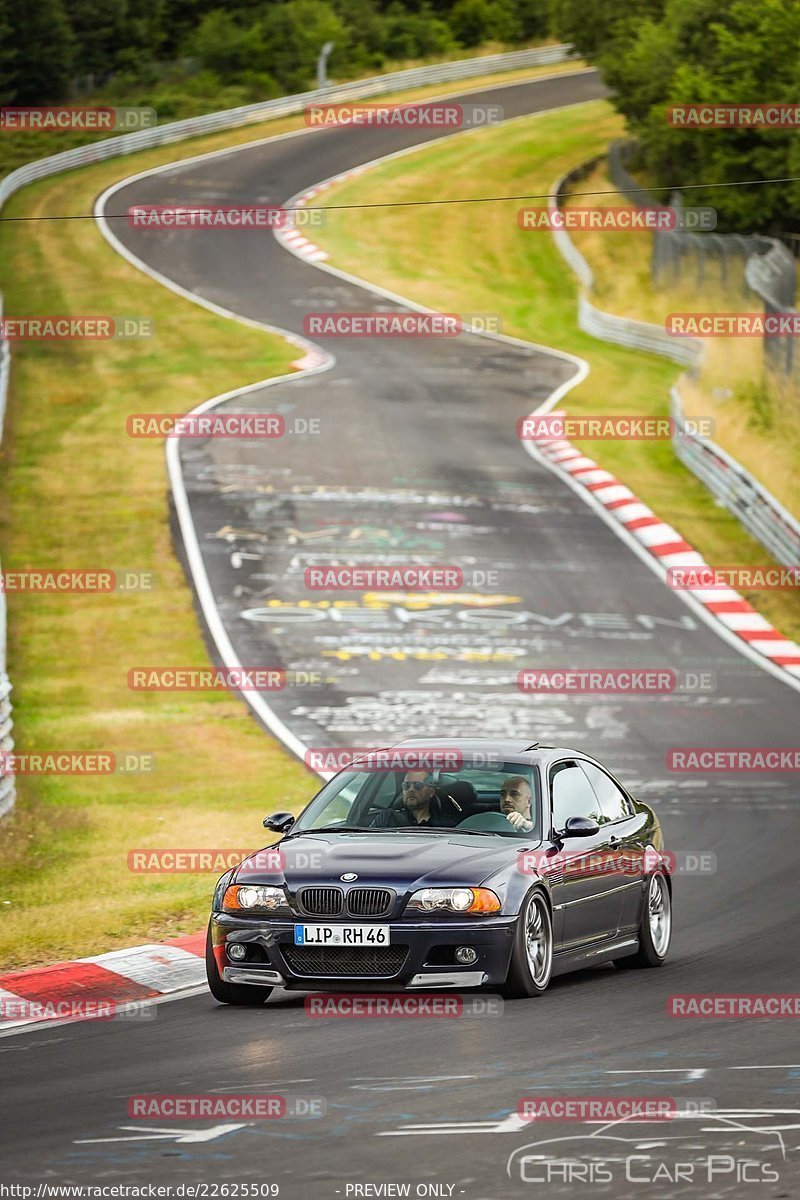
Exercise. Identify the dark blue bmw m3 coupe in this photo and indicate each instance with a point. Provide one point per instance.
(482, 864)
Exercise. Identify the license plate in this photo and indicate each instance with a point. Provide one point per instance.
(341, 935)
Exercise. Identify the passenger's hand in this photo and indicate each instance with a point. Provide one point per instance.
(519, 822)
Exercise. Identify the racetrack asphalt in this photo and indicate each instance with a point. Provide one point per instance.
(418, 455)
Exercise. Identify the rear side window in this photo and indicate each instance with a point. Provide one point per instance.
(613, 801)
(573, 795)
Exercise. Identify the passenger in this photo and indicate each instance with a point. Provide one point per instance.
(515, 803)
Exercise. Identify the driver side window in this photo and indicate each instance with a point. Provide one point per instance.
(572, 795)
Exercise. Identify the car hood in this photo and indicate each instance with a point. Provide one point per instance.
(388, 859)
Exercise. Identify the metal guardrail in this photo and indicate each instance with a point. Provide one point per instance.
(636, 335)
(756, 508)
(248, 114)
(7, 791)
(232, 118)
(608, 327)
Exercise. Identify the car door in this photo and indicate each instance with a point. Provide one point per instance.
(623, 827)
(589, 901)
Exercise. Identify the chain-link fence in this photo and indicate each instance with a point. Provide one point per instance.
(746, 269)
(757, 509)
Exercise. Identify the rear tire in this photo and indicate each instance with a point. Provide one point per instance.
(655, 927)
(532, 957)
(231, 993)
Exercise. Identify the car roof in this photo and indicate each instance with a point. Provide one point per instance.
(522, 750)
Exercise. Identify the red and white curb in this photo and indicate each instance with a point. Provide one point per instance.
(302, 246)
(666, 544)
(292, 238)
(102, 986)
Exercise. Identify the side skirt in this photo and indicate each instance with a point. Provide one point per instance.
(573, 960)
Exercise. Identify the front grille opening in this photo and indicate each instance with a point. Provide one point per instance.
(369, 902)
(321, 901)
(358, 962)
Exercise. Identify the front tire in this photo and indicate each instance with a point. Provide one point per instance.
(532, 957)
(230, 993)
(655, 927)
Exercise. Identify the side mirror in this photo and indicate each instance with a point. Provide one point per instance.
(280, 822)
(577, 827)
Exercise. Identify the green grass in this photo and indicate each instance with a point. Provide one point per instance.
(78, 492)
(474, 258)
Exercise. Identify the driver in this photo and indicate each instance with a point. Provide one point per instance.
(515, 803)
(419, 791)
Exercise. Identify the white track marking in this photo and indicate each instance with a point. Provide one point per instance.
(154, 1134)
(510, 1124)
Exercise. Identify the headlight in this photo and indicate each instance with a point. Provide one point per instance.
(454, 900)
(253, 896)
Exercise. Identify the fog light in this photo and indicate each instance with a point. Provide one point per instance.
(465, 954)
(237, 951)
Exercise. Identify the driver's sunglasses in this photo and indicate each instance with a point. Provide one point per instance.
(416, 784)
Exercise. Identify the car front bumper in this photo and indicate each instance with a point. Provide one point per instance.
(428, 962)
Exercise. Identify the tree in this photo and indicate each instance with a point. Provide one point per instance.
(416, 34)
(8, 57)
(113, 34)
(656, 54)
(290, 37)
(44, 49)
(599, 29)
(472, 21)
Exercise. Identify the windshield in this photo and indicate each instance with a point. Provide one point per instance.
(502, 801)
